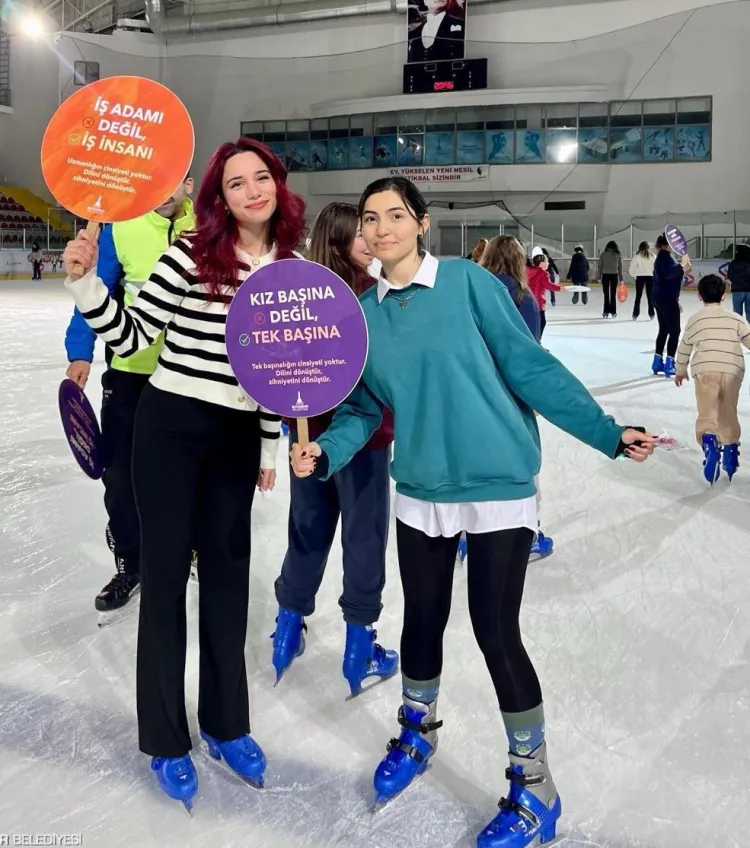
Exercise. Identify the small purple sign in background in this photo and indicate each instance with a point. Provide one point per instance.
(677, 240)
(296, 338)
(81, 428)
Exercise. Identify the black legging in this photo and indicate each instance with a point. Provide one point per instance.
(609, 287)
(668, 316)
(640, 283)
(496, 573)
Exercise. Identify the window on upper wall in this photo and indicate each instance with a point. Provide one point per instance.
(593, 133)
(252, 129)
(529, 135)
(617, 132)
(4, 69)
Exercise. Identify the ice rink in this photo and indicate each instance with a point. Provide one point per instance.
(639, 625)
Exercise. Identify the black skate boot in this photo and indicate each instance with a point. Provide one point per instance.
(117, 592)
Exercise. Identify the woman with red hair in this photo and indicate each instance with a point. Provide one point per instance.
(200, 446)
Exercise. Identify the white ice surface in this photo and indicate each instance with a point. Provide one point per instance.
(638, 624)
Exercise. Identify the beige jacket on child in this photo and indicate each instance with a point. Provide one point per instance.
(714, 336)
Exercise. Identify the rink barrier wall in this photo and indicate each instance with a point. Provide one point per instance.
(15, 264)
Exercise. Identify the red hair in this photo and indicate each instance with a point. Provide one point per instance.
(216, 234)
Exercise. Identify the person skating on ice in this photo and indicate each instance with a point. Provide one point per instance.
(578, 272)
(451, 356)
(712, 345)
(359, 493)
(128, 252)
(609, 272)
(540, 283)
(642, 271)
(505, 258)
(668, 276)
(201, 447)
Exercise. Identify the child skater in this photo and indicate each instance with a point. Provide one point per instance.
(712, 344)
(359, 492)
(452, 357)
(539, 283)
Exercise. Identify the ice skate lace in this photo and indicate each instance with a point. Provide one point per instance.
(121, 584)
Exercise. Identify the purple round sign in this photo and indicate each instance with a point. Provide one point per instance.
(676, 239)
(81, 428)
(296, 338)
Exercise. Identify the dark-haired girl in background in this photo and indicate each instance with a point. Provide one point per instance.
(201, 446)
(609, 271)
(359, 493)
(668, 276)
(452, 357)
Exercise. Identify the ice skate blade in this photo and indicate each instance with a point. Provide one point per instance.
(260, 785)
(107, 619)
(383, 801)
(372, 685)
(537, 557)
(188, 807)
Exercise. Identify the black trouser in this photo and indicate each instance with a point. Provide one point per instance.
(640, 283)
(542, 322)
(121, 392)
(609, 287)
(360, 493)
(496, 573)
(37, 270)
(195, 469)
(585, 295)
(668, 316)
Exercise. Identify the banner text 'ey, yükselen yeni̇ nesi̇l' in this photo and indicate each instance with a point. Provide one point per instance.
(296, 338)
(117, 149)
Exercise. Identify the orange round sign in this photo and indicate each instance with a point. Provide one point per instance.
(117, 149)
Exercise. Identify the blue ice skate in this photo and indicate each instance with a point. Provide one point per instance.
(176, 777)
(243, 755)
(531, 811)
(712, 454)
(409, 755)
(284, 428)
(731, 459)
(462, 550)
(669, 367)
(288, 640)
(364, 658)
(541, 547)
(657, 366)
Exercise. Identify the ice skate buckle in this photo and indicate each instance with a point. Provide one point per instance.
(423, 727)
(521, 811)
(524, 780)
(408, 749)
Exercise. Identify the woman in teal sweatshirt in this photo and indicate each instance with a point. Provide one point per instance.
(452, 357)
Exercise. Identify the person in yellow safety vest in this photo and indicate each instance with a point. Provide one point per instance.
(128, 252)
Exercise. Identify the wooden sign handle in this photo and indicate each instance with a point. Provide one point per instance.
(92, 228)
(303, 432)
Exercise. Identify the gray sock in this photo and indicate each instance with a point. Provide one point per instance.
(424, 691)
(525, 730)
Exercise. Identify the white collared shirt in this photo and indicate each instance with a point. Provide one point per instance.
(450, 519)
(430, 29)
(425, 275)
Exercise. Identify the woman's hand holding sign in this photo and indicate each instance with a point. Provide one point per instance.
(79, 256)
(303, 458)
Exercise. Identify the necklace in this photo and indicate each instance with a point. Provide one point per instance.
(403, 301)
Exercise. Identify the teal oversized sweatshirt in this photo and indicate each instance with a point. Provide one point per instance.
(462, 374)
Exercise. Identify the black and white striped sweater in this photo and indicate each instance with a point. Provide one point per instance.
(194, 359)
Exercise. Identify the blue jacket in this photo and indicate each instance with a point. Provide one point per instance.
(79, 337)
(527, 306)
(668, 276)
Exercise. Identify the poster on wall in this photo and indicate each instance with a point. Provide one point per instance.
(694, 143)
(499, 146)
(448, 174)
(658, 144)
(436, 30)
